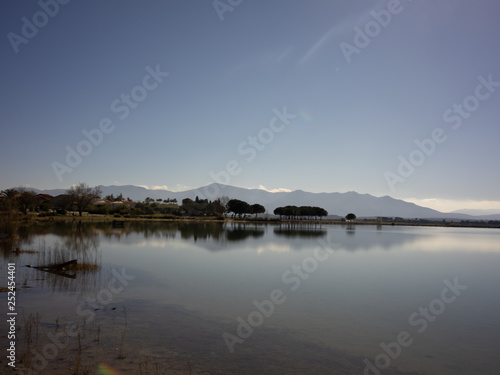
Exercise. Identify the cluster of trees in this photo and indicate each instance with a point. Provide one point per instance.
(82, 197)
(170, 207)
(118, 198)
(19, 199)
(239, 207)
(149, 206)
(188, 207)
(79, 197)
(203, 207)
(302, 212)
(149, 200)
(137, 209)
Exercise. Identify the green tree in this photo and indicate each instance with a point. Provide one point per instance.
(292, 212)
(46, 206)
(350, 217)
(239, 207)
(320, 212)
(258, 209)
(10, 193)
(219, 207)
(279, 211)
(187, 202)
(8, 201)
(26, 200)
(306, 211)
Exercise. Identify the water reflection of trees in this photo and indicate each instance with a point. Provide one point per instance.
(6, 246)
(148, 229)
(299, 231)
(203, 231)
(214, 231)
(242, 231)
(76, 233)
(80, 240)
(84, 280)
(71, 240)
(350, 229)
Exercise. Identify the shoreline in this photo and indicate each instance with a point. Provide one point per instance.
(196, 219)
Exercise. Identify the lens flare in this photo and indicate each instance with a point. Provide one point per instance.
(105, 369)
(306, 116)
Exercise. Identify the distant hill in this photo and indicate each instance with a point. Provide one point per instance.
(491, 214)
(340, 204)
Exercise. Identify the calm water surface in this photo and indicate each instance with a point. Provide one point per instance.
(171, 299)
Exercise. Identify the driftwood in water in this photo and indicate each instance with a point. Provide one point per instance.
(58, 268)
(65, 264)
(55, 266)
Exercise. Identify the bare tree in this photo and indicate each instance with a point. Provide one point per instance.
(223, 200)
(83, 195)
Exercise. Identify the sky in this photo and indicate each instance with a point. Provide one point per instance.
(398, 98)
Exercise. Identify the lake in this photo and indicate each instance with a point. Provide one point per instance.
(234, 298)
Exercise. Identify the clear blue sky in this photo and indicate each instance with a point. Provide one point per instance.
(230, 69)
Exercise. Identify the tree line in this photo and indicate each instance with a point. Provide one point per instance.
(242, 208)
(78, 197)
(302, 212)
(83, 198)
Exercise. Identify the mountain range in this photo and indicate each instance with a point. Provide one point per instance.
(337, 204)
